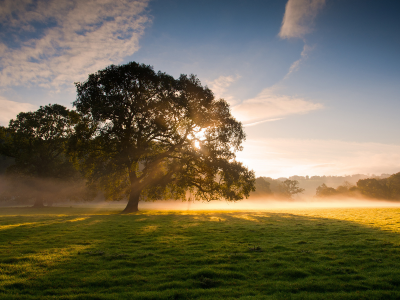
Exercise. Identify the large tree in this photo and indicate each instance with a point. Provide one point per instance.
(148, 136)
(37, 142)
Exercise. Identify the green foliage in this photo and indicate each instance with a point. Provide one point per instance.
(37, 143)
(71, 253)
(346, 189)
(381, 188)
(393, 185)
(373, 188)
(150, 136)
(386, 188)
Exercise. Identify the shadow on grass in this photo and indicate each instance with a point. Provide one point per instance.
(83, 254)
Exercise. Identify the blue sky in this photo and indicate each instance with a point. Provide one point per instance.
(315, 82)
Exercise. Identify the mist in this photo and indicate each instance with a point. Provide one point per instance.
(25, 191)
(17, 191)
(257, 204)
(267, 204)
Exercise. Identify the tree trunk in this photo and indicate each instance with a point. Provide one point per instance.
(133, 203)
(38, 203)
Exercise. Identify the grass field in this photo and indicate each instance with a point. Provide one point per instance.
(77, 253)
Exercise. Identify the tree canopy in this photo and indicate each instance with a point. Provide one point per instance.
(262, 188)
(324, 191)
(149, 136)
(291, 187)
(37, 142)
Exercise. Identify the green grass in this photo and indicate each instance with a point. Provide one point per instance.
(75, 253)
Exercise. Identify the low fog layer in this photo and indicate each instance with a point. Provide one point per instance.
(259, 204)
(265, 205)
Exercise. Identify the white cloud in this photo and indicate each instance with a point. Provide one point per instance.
(299, 17)
(10, 109)
(268, 105)
(220, 87)
(287, 157)
(85, 37)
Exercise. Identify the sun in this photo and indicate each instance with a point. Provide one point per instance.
(197, 137)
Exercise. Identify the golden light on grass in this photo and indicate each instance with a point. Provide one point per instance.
(248, 217)
(200, 252)
(150, 228)
(3, 227)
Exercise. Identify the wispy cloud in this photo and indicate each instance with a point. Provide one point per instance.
(220, 87)
(260, 122)
(10, 109)
(286, 157)
(67, 38)
(296, 65)
(268, 105)
(299, 17)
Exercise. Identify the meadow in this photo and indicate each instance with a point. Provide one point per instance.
(88, 253)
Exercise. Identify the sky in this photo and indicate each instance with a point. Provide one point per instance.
(316, 83)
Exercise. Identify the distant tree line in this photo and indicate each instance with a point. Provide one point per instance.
(377, 188)
(342, 190)
(311, 183)
(384, 186)
(268, 187)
